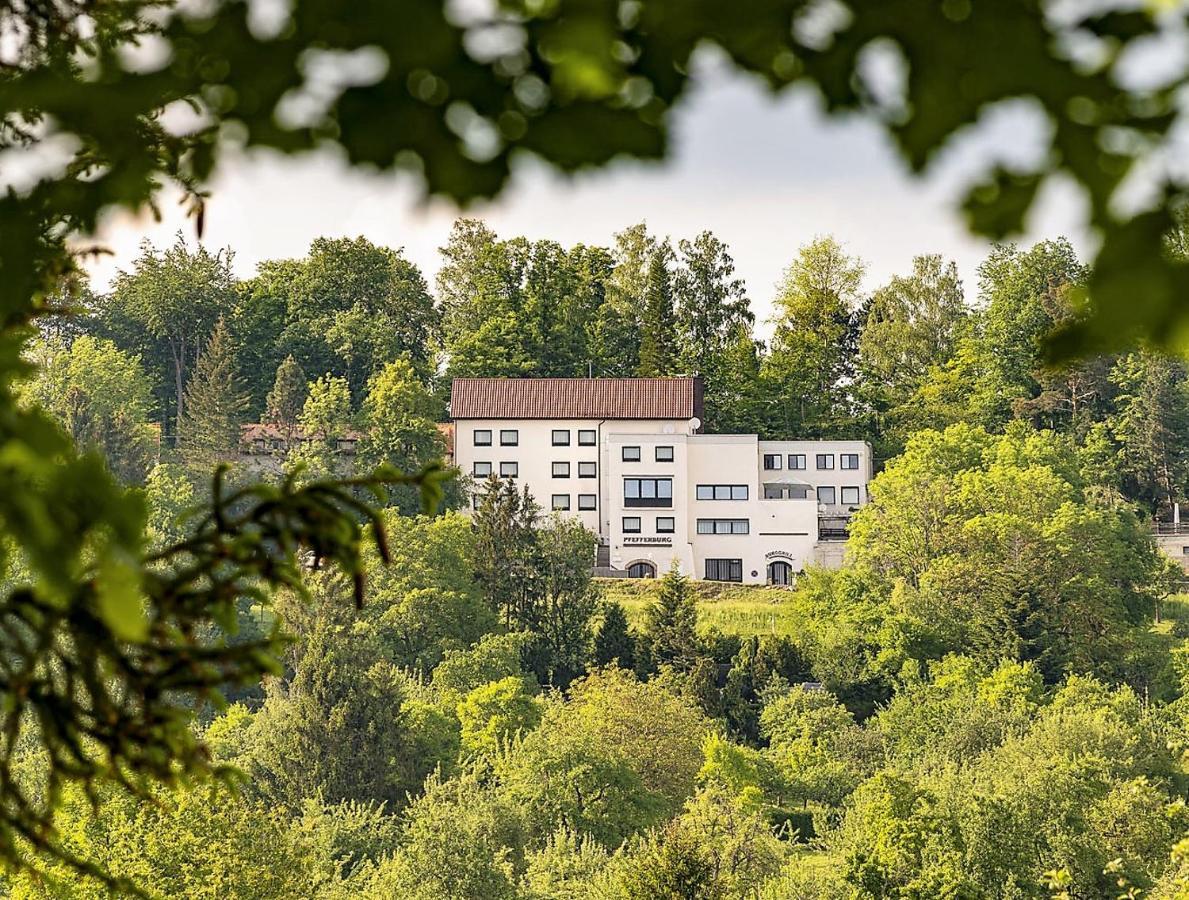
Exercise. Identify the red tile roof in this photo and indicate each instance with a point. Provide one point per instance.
(576, 398)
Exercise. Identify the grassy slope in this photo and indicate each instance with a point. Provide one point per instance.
(731, 608)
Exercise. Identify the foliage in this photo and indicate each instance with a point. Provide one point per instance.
(215, 404)
(100, 396)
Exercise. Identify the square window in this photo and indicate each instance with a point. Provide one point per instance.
(705, 492)
(631, 454)
(561, 470)
(724, 570)
(482, 437)
(825, 460)
(482, 470)
(771, 462)
(587, 501)
(509, 437)
(826, 495)
(586, 438)
(631, 524)
(509, 469)
(665, 524)
(849, 460)
(722, 492)
(561, 501)
(850, 496)
(587, 470)
(561, 437)
(664, 454)
(796, 461)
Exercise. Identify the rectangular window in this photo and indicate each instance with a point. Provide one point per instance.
(482, 470)
(723, 526)
(722, 492)
(586, 501)
(771, 462)
(664, 454)
(773, 492)
(850, 496)
(587, 470)
(561, 501)
(648, 492)
(724, 570)
(482, 437)
(586, 437)
(825, 460)
(825, 494)
(665, 524)
(848, 460)
(561, 470)
(509, 437)
(631, 454)
(561, 437)
(631, 524)
(796, 461)
(509, 469)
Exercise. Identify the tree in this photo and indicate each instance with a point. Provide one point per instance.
(165, 309)
(344, 728)
(671, 622)
(617, 331)
(911, 325)
(325, 420)
(712, 316)
(494, 713)
(215, 404)
(399, 429)
(287, 399)
(352, 307)
(101, 397)
(811, 360)
(507, 564)
(658, 335)
(614, 644)
(1151, 424)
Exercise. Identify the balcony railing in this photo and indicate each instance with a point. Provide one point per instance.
(1170, 528)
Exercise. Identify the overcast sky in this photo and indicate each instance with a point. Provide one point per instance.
(765, 174)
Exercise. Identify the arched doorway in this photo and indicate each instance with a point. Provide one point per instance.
(780, 572)
(641, 570)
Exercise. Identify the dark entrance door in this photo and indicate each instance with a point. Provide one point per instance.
(642, 570)
(780, 572)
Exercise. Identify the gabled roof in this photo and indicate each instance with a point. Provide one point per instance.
(576, 398)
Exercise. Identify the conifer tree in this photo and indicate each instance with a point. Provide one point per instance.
(658, 338)
(287, 398)
(215, 405)
(672, 622)
(614, 644)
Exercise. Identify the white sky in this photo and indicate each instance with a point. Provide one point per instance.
(765, 174)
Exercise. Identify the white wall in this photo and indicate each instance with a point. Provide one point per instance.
(778, 529)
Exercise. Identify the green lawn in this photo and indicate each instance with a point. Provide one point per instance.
(731, 608)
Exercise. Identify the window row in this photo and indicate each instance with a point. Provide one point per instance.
(724, 526)
(585, 501)
(507, 470)
(829, 496)
(586, 437)
(722, 492)
(661, 453)
(822, 461)
(585, 470)
(509, 437)
(648, 492)
(663, 524)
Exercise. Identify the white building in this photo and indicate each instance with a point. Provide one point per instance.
(626, 456)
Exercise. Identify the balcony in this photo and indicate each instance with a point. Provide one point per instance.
(833, 528)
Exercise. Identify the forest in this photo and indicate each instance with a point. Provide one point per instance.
(989, 699)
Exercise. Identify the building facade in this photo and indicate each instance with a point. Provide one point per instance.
(628, 458)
